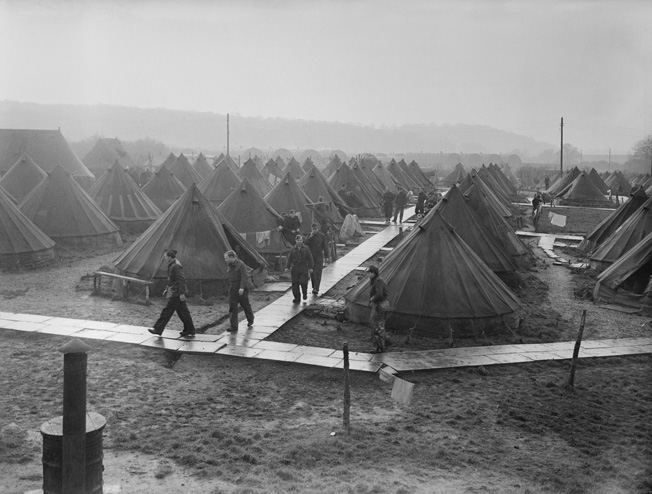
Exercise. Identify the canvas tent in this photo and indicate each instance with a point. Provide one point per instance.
(255, 220)
(552, 178)
(271, 172)
(202, 166)
(307, 164)
(22, 244)
(385, 178)
(455, 176)
(419, 174)
(628, 280)
(230, 162)
(496, 187)
(497, 204)
(562, 182)
(373, 188)
(363, 202)
(67, 214)
(218, 160)
(482, 204)
(408, 173)
(438, 286)
(200, 235)
(367, 165)
(315, 185)
(631, 232)
(123, 201)
(582, 192)
(48, 148)
(281, 163)
(504, 181)
(251, 172)
(312, 155)
(287, 195)
(332, 166)
(470, 228)
(22, 177)
(597, 180)
(399, 175)
(611, 223)
(618, 184)
(219, 184)
(164, 189)
(509, 174)
(168, 162)
(104, 153)
(294, 169)
(184, 172)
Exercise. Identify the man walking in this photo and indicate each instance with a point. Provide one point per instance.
(238, 290)
(318, 246)
(175, 294)
(388, 204)
(300, 264)
(401, 201)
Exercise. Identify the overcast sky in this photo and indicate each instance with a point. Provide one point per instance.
(514, 65)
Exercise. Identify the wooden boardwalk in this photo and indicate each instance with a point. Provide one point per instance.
(252, 343)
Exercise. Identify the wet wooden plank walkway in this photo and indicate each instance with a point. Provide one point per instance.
(251, 342)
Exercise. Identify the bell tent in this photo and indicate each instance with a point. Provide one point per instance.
(123, 201)
(251, 172)
(438, 286)
(631, 232)
(252, 217)
(611, 223)
(219, 184)
(22, 244)
(200, 235)
(67, 214)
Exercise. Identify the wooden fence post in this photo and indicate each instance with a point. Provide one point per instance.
(576, 351)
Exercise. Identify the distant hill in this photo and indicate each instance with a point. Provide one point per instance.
(207, 131)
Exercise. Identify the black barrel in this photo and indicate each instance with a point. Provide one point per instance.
(52, 432)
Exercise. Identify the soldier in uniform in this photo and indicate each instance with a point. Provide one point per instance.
(175, 294)
(300, 264)
(318, 246)
(388, 203)
(238, 290)
(401, 201)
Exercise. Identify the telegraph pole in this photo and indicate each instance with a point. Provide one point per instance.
(609, 159)
(561, 151)
(227, 133)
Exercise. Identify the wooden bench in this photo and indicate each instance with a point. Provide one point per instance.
(97, 283)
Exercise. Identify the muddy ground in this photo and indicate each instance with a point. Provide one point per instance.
(227, 425)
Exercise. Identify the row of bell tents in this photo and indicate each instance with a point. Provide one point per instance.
(207, 212)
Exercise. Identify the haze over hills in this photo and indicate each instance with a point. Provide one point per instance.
(207, 131)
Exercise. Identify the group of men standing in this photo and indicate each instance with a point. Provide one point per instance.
(306, 262)
(394, 203)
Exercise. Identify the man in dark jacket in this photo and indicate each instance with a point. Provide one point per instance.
(175, 293)
(421, 201)
(388, 203)
(378, 301)
(300, 264)
(401, 201)
(238, 290)
(318, 246)
(291, 226)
